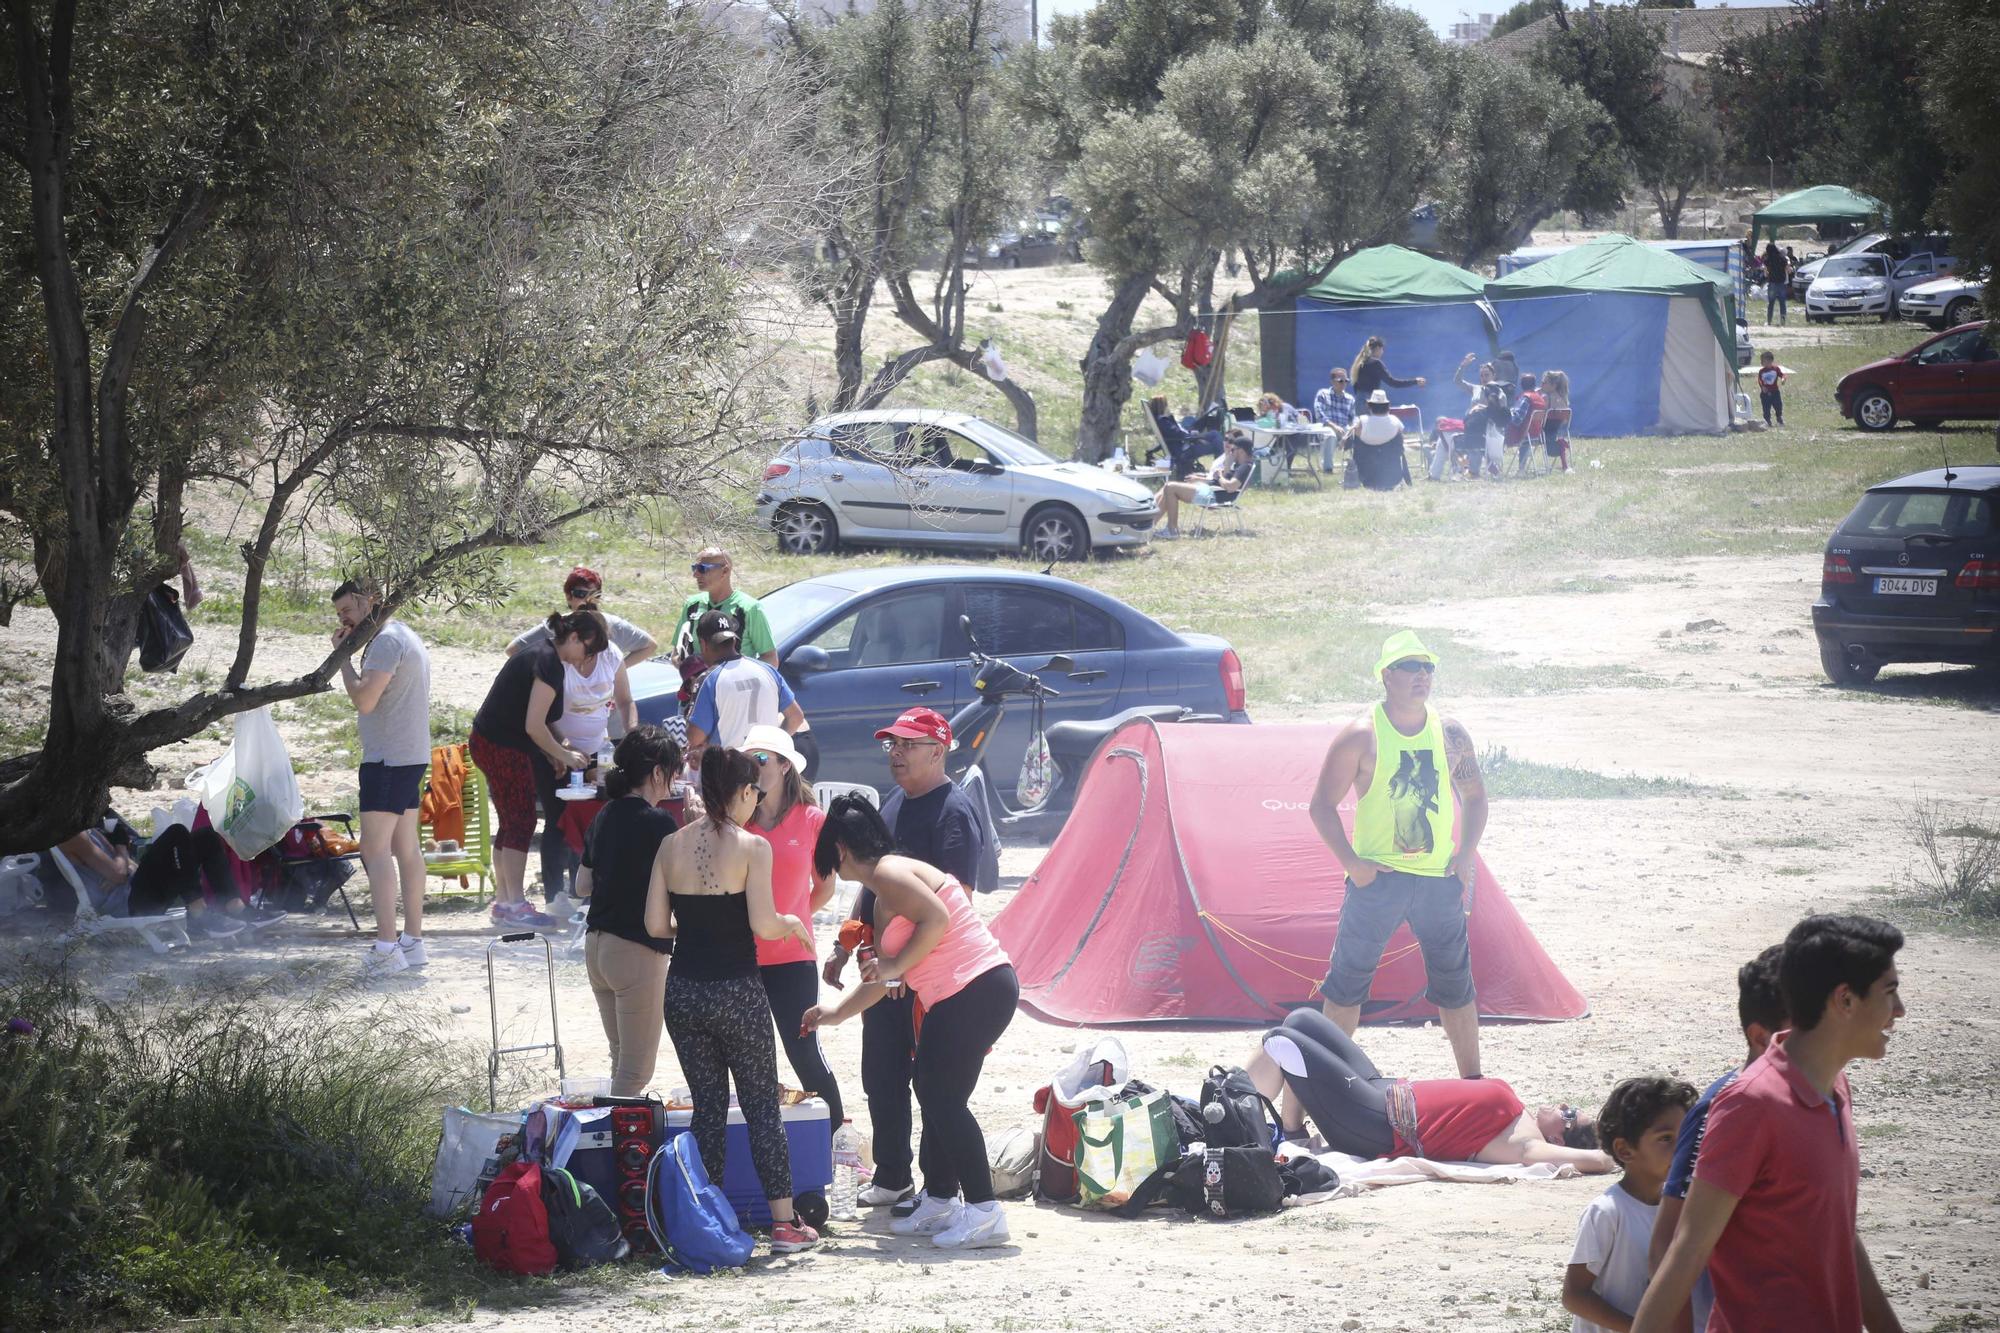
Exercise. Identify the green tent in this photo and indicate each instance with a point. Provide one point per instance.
(1819, 203)
(1615, 263)
(1392, 275)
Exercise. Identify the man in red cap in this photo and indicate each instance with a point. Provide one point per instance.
(934, 821)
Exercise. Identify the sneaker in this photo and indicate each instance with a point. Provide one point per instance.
(413, 951)
(881, 1196)
(257, 916)
(381, 962)
(908, 1204)
(521, 915)
(791, 1237)
(979, 1225)
(215, 925)
(1167, 535)
(928, 1218)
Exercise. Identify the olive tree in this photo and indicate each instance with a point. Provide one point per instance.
(423, 278)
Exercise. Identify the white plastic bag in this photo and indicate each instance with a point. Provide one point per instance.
(181, 813)
(468, 1153)
(1150, 368)
(1074, 1085)
(250, 793)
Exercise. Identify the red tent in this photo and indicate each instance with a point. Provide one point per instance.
(1190, 886)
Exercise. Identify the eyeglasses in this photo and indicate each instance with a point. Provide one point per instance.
(906, 743)
(1426, 667)
(707, 566)
(1569, 1118)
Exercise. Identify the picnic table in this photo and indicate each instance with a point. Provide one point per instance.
(1289, 443)
(577, 814)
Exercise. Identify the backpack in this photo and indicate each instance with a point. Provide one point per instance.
(1234, 1111)
(1012, 1153)
(691, 1220)
(1200, 350)
(1215, 1183)
(1055, 1174)
(511, 1232)
(581, 1224)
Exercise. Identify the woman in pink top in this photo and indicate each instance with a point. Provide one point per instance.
(789, 818)
(930, 939)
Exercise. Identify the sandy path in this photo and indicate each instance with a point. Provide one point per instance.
(1648, 905)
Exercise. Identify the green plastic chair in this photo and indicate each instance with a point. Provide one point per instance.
(477, 844)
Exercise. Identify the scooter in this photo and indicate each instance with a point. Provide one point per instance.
(1069, 746)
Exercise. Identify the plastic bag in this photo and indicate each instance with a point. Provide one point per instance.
(468, 1157)
(1150, 368)
(1037, 772)
(1121, 1143)
(164, 636)
(251, 794)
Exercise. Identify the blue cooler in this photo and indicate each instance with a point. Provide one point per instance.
(809, 1134)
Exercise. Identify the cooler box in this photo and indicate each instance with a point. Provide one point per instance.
(808, 1132)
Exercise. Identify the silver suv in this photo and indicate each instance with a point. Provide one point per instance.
(913, 477)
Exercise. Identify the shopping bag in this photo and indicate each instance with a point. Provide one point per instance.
(1121, 1143)
(164, 636)
(1150, 368)
(468, 1157)
(251, 794)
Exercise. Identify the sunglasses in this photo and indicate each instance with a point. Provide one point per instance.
(762, 757)
(707, 566)
(1426, 667)
(582, 594)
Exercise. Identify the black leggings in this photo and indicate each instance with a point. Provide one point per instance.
(558, 861)
(1341, 1089)
(887, 1064)
(950, 1053)
(793, 988)
(171, 871)
(722, 1030)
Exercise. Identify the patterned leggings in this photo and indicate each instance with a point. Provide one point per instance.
(510, 782)
(722, 1029)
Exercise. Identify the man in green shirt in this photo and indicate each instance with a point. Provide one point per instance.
(712, 570)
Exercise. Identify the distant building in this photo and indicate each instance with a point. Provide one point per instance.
(1689, 38)
(1465, 34)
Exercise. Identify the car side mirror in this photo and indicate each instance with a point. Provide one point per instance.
(988, 469)
(807, 659)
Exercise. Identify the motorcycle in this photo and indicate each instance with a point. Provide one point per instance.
(1056, 756)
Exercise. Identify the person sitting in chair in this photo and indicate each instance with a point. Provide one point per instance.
(1377, 440)
(124, 876)
(1230, 475)
(1526, 404)
(1185, 447)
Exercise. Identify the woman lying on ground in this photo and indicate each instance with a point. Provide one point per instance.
(1359, 1112)
(121, 880)
(711, 894)
(931, 940)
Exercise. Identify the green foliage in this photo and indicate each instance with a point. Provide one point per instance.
(1522, 14)
(1963, 99)
(212, 1154)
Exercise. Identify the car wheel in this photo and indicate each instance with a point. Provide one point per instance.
(1844, 670)
(1055, 534)
(1874, 411)
(1962, 311)
(806, 529)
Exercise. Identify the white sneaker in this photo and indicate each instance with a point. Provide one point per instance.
(881, 1196)
(979, 1225)
(413, 951)
(931, 1217)
(381, 962)
(564, 908)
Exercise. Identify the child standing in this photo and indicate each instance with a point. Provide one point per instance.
(1769, 376)
(1607, 1270)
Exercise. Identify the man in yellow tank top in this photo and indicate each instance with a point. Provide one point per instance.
(1414, 850)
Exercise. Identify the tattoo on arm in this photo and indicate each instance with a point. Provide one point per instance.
(1462, 758)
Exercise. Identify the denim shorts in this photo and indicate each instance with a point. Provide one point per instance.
(391, 788)
(1434, 907)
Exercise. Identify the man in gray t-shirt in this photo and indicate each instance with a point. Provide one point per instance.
(391, 692)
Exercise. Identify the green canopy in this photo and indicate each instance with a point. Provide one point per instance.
(1615, 263)
(1819, 203)
(1392, 275)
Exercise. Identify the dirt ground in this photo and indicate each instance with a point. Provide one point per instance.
(1648, 905)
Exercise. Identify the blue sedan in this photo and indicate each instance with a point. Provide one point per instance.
(882, 640)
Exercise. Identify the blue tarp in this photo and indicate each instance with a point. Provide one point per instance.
(1427, 340)
(1611, 344)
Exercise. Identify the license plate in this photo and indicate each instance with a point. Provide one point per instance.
(1906, 587)
(1841, 305)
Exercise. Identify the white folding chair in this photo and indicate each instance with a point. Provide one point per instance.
(162, 933)
(826, 791)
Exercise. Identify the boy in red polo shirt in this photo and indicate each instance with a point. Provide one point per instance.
(1771, 1212)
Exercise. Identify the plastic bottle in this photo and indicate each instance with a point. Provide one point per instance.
(844, 1195)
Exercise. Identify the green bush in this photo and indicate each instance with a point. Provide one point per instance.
(214, 1152)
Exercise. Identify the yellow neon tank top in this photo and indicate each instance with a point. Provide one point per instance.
(1405, 820)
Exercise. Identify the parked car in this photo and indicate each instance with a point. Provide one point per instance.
(1944, 302)
(914, 477)
(1938, 247)
(860, 646)
(1851, 285)
(1913, 575)
(1952, 377)
(1041, 239)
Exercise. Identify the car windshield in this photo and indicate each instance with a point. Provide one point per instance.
(796, 605)
(1942, 513)
(1855, 266)
(1016, 449)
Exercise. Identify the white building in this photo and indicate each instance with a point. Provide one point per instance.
(1468, 32)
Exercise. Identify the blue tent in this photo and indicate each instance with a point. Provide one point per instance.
(1429, 313)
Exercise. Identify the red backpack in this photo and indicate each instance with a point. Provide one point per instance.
(1200, 350)
(511, 1232)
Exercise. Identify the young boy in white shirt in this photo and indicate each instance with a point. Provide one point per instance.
(1607, 1270)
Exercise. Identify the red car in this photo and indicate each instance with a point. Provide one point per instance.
(1953, 377)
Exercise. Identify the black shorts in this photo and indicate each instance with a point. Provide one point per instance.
(391, 788)
(1435, 909)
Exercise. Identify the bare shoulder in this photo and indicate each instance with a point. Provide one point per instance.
(1358, 735)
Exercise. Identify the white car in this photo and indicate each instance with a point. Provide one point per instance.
(1857, 284)
(1943, 303)
(914, 477)
(1916, 258)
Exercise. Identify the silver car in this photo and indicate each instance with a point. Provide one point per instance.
(914, 477)
(1943, 303)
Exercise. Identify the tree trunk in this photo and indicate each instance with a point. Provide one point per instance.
(848, 323)
(1107, 371)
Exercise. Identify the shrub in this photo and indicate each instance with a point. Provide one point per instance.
(1958, 858)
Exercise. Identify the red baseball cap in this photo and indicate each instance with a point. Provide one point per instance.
(919, 724)
(584, 575)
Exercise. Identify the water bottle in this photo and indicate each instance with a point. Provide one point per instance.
(605, 761)
(844, 1196)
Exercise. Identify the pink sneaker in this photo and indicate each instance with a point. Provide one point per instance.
(791, 1237)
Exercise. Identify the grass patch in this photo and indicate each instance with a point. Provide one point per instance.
(1508, 778)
